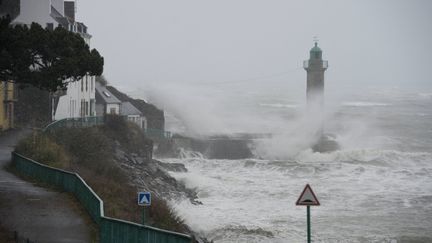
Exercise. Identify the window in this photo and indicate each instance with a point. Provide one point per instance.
(86, 83)
(82, 85)
(106, 94)
(112, 110)
(50, 26)
(5, 110)
(83, 107)
(92, 107)
(86, 108)
(5, 90)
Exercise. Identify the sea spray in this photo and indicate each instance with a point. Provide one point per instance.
(260, 194)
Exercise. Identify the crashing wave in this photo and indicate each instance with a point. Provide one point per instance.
(363, 104)
(189, 154)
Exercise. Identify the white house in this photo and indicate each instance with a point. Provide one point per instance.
(132, 114)
(79, 98)
(78, 101)
(106, 102)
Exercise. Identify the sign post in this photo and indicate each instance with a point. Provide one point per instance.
(307, 198)
(144, 199)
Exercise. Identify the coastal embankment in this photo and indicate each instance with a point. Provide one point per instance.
(115, 160)
(30, 211)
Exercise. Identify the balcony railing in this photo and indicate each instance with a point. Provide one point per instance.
(306, 64)
(325, 64)
(88, 121)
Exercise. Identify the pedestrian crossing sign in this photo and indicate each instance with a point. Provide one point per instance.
(144, 198)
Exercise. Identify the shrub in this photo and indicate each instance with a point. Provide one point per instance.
(42, 148)
(90, 152)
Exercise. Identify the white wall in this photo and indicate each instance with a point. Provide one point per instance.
(144, 123)
(76, 97)
(58, 5)
(135, 119)
(35, 11)
(139, 120)
(115, 106)
(78, 93)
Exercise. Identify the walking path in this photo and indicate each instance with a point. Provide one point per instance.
(37, 213)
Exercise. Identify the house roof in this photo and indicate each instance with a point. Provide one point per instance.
(105, 95)
(127, 109)
(63, 21)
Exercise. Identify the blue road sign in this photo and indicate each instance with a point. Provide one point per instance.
(144, 198)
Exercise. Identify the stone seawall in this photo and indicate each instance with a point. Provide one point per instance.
(212, 148)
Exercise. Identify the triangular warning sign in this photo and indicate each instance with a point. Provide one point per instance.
(307, 198)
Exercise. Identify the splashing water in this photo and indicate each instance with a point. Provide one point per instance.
(377, 188)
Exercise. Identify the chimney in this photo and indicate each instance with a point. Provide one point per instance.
(69, 9)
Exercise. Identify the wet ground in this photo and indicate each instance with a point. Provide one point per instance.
(37, 213)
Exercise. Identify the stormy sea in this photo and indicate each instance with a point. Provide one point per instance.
(377, 187)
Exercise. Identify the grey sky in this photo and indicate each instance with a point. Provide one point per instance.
(194, 41)
(212, 63)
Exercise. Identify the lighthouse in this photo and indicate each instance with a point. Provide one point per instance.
(315, 68)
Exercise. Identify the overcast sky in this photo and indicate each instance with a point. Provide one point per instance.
(193, 41)
(203, 60)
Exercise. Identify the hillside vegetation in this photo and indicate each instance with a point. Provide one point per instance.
(91, 152)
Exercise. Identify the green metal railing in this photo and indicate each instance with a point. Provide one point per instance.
(119, 231)
(76, 122)
(99, 120)
(110, 230)
(156, 133)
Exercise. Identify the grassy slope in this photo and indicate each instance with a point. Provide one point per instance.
(90, 152)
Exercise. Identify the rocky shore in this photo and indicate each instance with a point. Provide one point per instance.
(153, 175)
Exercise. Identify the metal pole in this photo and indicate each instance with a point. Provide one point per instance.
(143, 215)
(308, 225)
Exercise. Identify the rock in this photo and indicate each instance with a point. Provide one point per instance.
(175, 167)
(221, 147)
(139, 160)
(326, 143)
(152, 175)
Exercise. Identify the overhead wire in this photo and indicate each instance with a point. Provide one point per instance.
(251, 78)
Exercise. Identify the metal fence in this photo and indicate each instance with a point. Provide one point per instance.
(110, 230)
(99, 120)
(76, 122)
(20, 239)
(156, 133)
(119, 231)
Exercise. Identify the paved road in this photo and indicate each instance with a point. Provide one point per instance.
(37, 213)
